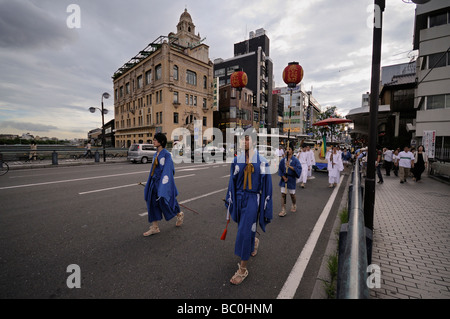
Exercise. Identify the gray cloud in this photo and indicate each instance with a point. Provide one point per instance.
(23, 25)
(29, 127)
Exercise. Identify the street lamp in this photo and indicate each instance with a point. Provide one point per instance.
(103, 111)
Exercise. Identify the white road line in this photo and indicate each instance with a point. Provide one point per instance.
(71, 180)
(123, 186)
(194, 198)
(293, 281)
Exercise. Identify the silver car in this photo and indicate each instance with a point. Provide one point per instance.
(142, 153)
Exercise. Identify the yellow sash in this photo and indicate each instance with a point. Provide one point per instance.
(155, 163)
(249, 169)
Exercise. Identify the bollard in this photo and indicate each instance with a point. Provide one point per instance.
(97, 156)
(54, 158)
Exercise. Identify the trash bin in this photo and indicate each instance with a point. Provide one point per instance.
(97, 156)
(54, 158)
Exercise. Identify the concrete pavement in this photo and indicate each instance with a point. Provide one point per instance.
(411, 239)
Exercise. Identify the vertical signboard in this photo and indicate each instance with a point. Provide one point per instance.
(429, 142)
(216, 95)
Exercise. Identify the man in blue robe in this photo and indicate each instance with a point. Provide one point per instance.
(248, 202)
(160, 191)
(288, 179)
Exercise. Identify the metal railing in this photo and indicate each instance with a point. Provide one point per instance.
(354, 245)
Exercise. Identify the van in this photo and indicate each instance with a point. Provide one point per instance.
(141, 153)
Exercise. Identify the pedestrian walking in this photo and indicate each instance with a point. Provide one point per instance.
(304, 159)
(160, 191)
(248, 202)
(280, 152)
(420, 162)
(405, 163)
(387, 153)
(88, 150)
(378, 164)
(289, 170)
(395, 159)
(335, 166)
(33, 149)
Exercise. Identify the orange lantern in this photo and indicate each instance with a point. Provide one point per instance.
(239, 79)
(293, 74)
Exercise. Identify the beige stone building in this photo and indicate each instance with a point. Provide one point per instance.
(167, 85)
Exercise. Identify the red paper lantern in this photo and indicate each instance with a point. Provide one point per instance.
(293, 74)
(239, 79)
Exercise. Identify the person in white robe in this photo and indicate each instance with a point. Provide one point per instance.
(335, 166)
(304, 158)
(312, 161)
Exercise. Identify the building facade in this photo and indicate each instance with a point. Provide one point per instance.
(167, 85)
(252, 56)
(432, 96)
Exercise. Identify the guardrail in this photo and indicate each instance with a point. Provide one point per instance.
(54, 153)
(355, 242)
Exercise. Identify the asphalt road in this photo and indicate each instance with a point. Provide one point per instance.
(94, 216)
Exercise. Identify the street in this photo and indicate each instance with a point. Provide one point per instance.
(94, 216)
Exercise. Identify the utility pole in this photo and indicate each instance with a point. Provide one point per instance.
(369, 192)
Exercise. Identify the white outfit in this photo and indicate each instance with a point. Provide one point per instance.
(312, 161)
(304, 159)
(335, 166)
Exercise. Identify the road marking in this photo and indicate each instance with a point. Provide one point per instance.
(71, 180)
(124, 186)
(194, 198)
(294, 278)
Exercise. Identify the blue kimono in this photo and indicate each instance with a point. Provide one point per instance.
(292, 175)
(249, 200)
(160, 191)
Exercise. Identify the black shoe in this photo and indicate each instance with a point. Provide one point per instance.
(401, 182)
(380, 182)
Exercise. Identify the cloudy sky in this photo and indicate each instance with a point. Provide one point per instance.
(51, 74)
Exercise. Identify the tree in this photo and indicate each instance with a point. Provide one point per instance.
(331, 131)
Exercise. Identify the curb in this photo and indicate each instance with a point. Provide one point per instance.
(331, 249)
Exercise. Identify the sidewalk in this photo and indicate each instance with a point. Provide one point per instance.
(411, 239)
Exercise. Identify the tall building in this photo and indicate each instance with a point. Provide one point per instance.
(167, 85)
(304, 109)
(432, 96)
(252, 56)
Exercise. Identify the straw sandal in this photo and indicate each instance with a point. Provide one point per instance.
(239, 277)
(180, 218)
(153, 230)
(255, 251)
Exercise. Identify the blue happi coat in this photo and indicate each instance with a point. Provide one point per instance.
(292, 175)
(160, 191)
(249, 200)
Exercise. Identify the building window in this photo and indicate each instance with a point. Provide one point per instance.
(205, 82)
(175, 118)
(187, 99)
(127, 88)
(191, 77)
(175, 97)
(438, 101)
(121, 91)
(195, 100)
(191, 100)
(438, 19)
(139, 81)
(218, 73)
(158, 72)
(204, 103)
(175, 72)
(148, 77)
(205, 121)
(437, 60)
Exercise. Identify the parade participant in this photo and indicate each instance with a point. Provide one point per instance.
(312, 161)
(304, 159)
(335, 166)
(289, 170)
(248, 202)
(160, 191)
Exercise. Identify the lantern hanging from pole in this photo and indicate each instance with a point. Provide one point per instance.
(293, 74)
(239, 79)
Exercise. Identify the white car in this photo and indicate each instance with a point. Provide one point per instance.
(141, 153)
